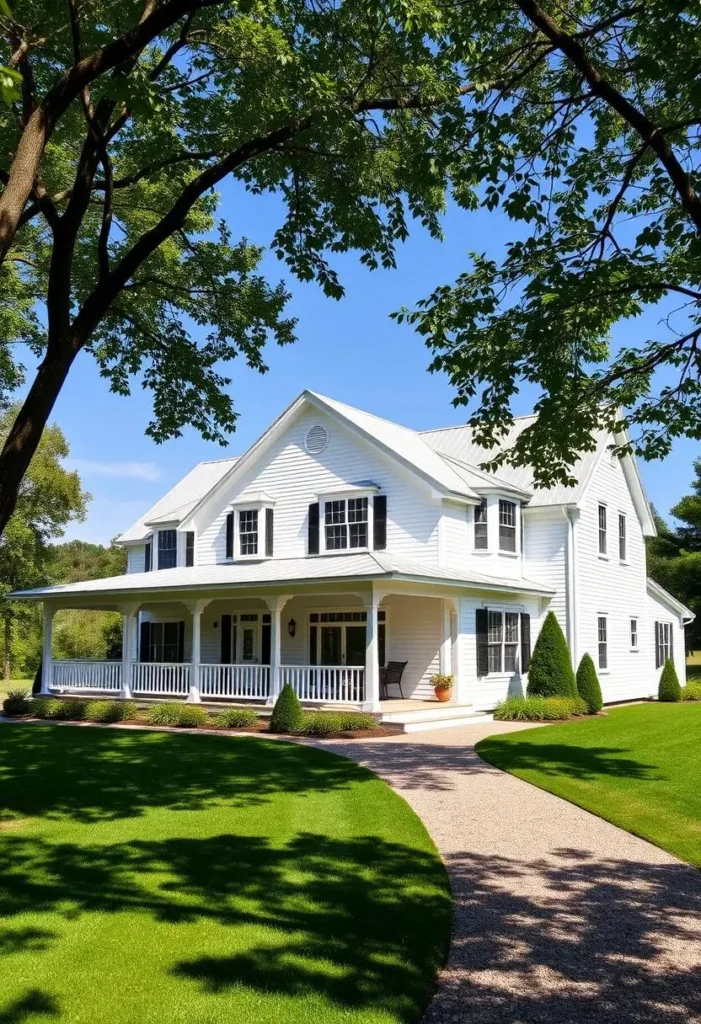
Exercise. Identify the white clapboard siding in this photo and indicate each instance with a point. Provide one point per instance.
(136, 558)
(657, 611)
(545, 555)
(294, 478)
(414, 630)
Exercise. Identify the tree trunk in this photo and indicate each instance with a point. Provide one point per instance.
(24, 437)
(7, 671)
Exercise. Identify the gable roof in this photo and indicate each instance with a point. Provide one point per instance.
(180, 499)
(660, 594)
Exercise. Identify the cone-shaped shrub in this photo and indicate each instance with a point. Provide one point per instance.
(669, 690)
(588, 685)
(550, 672)
(287, 713)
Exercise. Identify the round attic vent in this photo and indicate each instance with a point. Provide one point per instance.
(316, 440)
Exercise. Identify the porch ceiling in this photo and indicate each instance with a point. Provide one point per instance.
(274, 573)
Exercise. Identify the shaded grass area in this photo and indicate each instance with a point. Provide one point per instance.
(637, 767)
(158, 877)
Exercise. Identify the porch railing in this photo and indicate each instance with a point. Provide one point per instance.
(87, 675)
(328, 683)
(162, 679)
(249, 682)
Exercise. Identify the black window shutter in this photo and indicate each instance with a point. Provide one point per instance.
(379, 515)
(265, 643)
(225, 657)
(313, 535)
(482, 648)
(671, 641)
(181, 641)
(147, 557)
(230, 535)
(657, 645)
(525, 641)
(189, 548)
(145, 642)
(269, 525)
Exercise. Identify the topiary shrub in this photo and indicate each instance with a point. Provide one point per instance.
(538, 709)
(692, 691)
(287, 713)
(16, 704)
(236, 718)
(550, 672)
(670, 691)
(110, 710)
(588, 685)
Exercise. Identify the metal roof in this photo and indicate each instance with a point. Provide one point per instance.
(278, 571)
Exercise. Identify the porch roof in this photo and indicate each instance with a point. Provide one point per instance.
(365, 566)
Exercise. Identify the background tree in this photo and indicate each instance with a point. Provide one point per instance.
(49, 498)
(586, 134)
(132, 113)
(674, 556)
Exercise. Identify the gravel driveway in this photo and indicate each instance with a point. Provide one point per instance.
(559, 916)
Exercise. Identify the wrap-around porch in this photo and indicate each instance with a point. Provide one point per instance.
(330, 647)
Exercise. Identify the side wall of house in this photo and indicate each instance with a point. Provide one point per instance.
(295, 478)
(545, 532)
(658, 611)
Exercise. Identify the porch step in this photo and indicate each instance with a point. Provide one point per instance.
(425, 718)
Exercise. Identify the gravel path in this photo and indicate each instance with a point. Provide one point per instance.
(559, 916)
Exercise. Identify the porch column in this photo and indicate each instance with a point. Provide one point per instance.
(46, 659)
(445, 651)
(372, 664)
(276, 605)
(129, 612)
(195, 608)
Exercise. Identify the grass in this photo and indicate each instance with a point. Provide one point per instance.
(13, 684)
(161, 877)
(637, 767)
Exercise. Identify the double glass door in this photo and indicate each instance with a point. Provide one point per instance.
(342, 645)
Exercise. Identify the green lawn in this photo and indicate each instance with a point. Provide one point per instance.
(637, 767)
(181, 879)
(13, 684)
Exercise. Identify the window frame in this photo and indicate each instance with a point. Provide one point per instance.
(502, 508)
(254, 531)
(347, 523)
(622, 538)
(602, 530)
(501, 644)
(481, 523)
(634, 632)
(171, 549)
(665, 627)
(602, 644)
(189, 548)
(260, 508)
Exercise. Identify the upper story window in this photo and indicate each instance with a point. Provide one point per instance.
(190, 548)
(602, 529)
(481, 529)
(507, 525)
(346, 523)
(167, 549)
(248, 531)
(622, 537)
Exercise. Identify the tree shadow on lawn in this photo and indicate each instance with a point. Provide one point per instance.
(564, 759)
(97, 774)
(34, 1003)
(572, 937)
(363, 922)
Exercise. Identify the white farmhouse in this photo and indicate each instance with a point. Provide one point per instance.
(341, 542)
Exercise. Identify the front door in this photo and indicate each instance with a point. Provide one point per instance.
(355, 645)
(331, 645)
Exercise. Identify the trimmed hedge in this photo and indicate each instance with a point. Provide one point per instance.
(185, 716)
(692, 691)
(669, 690)
(16, 703)
(322, 723)
(236, 718)
(538, 709)
(287, 714)
(550, 672)
(59, 709)
(110, 710)
(588, 685)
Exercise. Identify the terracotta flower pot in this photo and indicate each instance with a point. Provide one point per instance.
(442, 695)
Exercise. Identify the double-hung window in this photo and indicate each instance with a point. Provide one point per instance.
(346, 523)
(503, 641)
(167, 549)
(602, 529)
(481, 531)
(248, 531)
(621, 537)
(507, 525)
(602, 634)
(633, 634)
(663, 640)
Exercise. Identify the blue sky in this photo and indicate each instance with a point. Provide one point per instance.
(349, 350)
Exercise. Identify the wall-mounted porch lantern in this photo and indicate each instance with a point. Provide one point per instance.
(292, 627)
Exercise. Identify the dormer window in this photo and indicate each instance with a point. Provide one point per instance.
(167, 549)
(249, 528)
(507, 525)
(248, 531)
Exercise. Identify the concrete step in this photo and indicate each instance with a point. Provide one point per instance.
(476, 718)
(425, 711)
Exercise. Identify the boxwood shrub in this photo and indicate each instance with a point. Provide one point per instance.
(588, 685)
(287, 713)
(322, 723)
(236, 718)
(538, 709)
(669, 689)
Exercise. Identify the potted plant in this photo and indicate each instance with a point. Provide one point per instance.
(443, 686)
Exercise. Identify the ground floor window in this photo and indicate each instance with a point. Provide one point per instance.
(663, 642)
(502, 641)
(162, 642)
(602, 631)
(339, 638)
